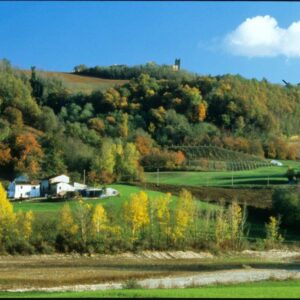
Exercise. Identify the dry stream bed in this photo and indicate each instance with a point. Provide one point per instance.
(173, 269)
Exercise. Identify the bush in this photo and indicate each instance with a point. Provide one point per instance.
(286, 202)
(131, 284)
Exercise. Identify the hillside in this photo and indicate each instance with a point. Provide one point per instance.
(120, 128)
(76, 83)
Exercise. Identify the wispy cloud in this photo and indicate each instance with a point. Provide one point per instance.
(261, 36)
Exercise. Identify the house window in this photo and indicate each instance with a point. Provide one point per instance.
(21, 186)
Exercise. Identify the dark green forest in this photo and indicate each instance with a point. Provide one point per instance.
(113, 135)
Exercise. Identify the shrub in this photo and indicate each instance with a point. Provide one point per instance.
(274, 238)
(287, 204)
(131, 284)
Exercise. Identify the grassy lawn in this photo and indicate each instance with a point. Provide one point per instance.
(265, 289)
(257, 177)
(46, 206)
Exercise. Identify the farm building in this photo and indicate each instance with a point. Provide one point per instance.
(22, 188)
(46, 183)
(59, 185)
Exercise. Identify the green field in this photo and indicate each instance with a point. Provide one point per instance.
(265, 289)
(53, 206)
(265, 176)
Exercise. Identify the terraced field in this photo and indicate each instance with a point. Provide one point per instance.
(260, 177)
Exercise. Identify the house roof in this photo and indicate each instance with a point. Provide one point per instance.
(33, 182)
(22, 179)
(52, 177)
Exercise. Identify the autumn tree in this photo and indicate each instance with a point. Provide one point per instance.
(67, 229)
(123, 125)
(273, 237)
(5, 155)
(28, 154)
(83, 217)
(7, 221)
(201, 112)
(103, 164)
(144, 144)
(229, 227)
(160, 213)
(97, 124)
(128, 163)
(136, 213)
(99, 219)
(24, 223)
(222, 230)
(183, 216)
(236, 220)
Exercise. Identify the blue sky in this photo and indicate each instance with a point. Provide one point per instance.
(206, 36)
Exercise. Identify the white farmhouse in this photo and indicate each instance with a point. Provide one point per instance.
(53, 185)
(60, 188)
(22, 188)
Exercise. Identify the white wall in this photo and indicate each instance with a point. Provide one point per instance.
(61, 188)
(17, 191)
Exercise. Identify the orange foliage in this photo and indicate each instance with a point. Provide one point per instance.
(5, 156)
(103, 177)
(111, 119)
(29, 153)
(143, 144)
(97, 125)
(179, 158)
(293, 152)
(201, 112)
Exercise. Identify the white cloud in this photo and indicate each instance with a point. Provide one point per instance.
(261, 36)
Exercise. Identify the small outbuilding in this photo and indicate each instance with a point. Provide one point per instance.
(22, 188)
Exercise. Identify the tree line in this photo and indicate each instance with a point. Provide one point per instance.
(46, 130)
(141, 223)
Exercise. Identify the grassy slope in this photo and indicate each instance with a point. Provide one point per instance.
(266, 289)
(112, 202)
(76, 83)
(261, 176)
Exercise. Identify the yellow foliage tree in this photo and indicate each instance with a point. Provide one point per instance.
(7, 217)
(222, 231)
(161, 212)
(83, 216)
(236, 223)
(99, 219)
(201, 112)
(183, 215)
(136, 212)
(66, 225)
(24, 220)
(229, 226)
(274, 238)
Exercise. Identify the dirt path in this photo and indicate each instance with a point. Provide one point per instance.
(232, 276)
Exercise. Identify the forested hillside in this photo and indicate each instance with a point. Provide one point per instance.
(46, 129)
